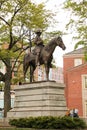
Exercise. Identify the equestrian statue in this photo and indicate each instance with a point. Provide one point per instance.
(42, 54)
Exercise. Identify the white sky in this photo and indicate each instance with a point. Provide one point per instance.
(63, 17)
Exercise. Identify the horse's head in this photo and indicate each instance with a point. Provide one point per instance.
(60, 43)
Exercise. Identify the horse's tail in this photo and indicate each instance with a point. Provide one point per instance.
(25, 64)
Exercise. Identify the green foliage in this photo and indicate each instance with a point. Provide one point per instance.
(16, 80)
(49, 122)
(1, 86)
(78, 20)
(7, 54)
(17, 19)
(79, 43)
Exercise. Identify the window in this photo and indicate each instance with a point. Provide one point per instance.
(86, 108)
(84, 81)
(77, 62)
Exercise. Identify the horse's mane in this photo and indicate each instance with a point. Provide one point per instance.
(50, 43)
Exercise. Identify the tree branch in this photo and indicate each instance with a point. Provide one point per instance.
(4, 61)
(12, 19)
(4, 21)
(19, 56)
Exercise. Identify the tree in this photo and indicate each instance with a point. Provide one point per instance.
(17, 19)
(78, 20)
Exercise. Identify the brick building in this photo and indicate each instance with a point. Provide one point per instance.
(75, 79)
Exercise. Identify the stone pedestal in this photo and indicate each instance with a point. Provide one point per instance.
(39, 99)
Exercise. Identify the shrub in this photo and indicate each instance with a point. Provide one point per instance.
(49, 122)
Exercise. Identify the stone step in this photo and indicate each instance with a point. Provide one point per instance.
(34, 113)
(40, 103)
(45, 108)
(56, 97)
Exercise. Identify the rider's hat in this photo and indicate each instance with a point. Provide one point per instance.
(38, 31)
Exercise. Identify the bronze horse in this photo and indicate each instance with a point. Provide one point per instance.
(45, 57)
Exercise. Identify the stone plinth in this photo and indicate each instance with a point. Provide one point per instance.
(39, 99)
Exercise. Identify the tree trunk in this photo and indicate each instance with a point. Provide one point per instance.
(7, 95)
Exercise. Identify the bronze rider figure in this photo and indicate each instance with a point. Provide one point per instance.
(39, 45)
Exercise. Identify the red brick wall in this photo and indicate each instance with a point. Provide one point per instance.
(74, 90)
(74, 87)
(73, 82)
(68, 63)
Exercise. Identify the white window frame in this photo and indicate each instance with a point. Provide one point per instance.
(84, 95)
(86, 108)
(77, 61)
(84, 81)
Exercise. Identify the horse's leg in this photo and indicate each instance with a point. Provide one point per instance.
(47, 71)
(33, 73)
(25, 64)
(32, 68)
(25, 68)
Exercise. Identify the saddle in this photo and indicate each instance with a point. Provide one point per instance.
(37, 49)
